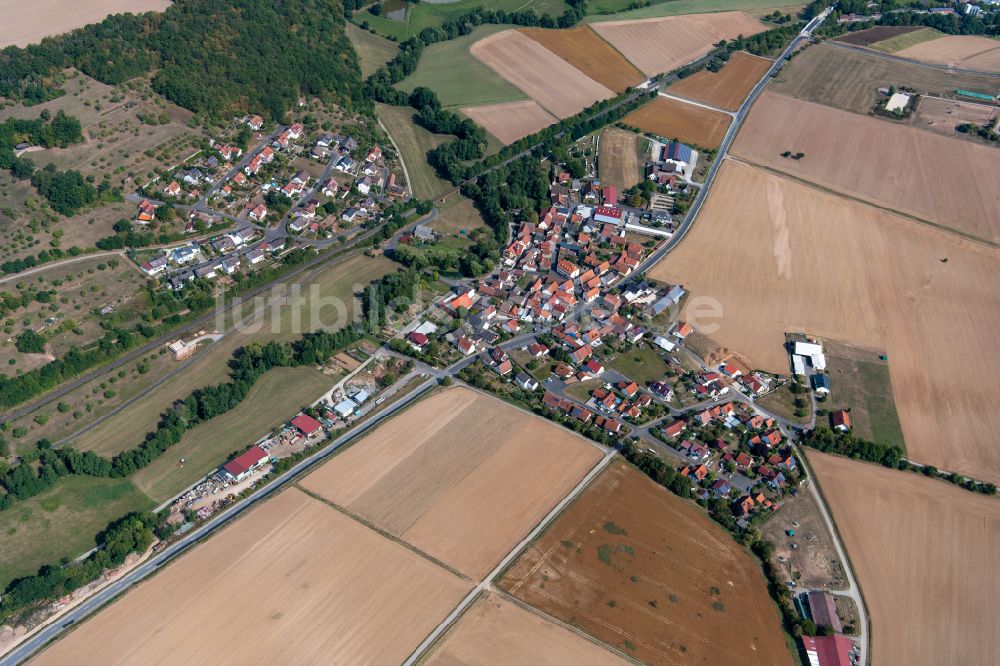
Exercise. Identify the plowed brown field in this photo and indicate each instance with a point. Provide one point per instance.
(510, 121)
(585, 50)
(674, 119)
(966, 51)
(948, 182)
(295, 581)
(461, 476)
(660, 45)
(923, 550)
(727, 88)
(619, 163)
(496, 631)
(788, 257)
(559, 87)
(648, 573)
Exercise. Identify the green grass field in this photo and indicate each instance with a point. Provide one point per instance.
(906, 40)
(425, 15)
(679, 7)
(640, 365)
(414, 142)
(457, 216)
(275, 398)
(458, 78)
(863, 386)
(782, 402)
(373, 50)
(62, 522)
(126, 428)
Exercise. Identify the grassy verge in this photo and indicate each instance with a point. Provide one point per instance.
(414, 142)
(62, 522)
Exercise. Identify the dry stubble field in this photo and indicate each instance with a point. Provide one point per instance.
(497, 631)
(619, 163)
(843, 270)
(294, 581)
(510, 121)
(559, 87)
(461, 476)
(727, 88)
(28, 22)
(651, 575)
(585, 50)
(674, 119)
(925, 556)
(966, 51)
(948, 182)
(849, 80)
(660, 45)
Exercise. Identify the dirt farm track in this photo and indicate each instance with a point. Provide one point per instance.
(649, 574)
(849, 272)
(925, 553)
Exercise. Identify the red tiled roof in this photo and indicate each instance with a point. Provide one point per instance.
(306, 424)
(245, 461)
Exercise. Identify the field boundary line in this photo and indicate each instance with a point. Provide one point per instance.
(709, 107)
(487, 582)
(872, 204)
(381, 532)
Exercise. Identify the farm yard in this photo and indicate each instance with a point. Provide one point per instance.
(924, 550)
(946, 182)
(261, 589)
(673, 119)
(834, 76)
(650, 575)
(497, 631)
(967, 51)
(662, 44)
(28, 22)
(556, 85)
(813, 561)
(621, 158)
(845, 271)
(414, 142)
(585, 50)
(510, 121)
(941, 115)
(726, 89)
(448, 477)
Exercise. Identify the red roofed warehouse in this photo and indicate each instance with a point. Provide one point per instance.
(306, 424)
(243, 465)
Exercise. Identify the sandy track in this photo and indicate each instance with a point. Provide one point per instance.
(556, 85)
(28, 22)
(954, 183)
(962, 50)
(787, 257)
(295, 581)
(496, 631)
(727, 88)
(461, 476)
(923, 550)
(662, 44)
(510, 121)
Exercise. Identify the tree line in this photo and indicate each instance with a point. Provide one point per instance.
(267, 56)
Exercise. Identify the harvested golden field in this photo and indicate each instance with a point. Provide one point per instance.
(510, 121)
(651, 575)
(727, 88)
(559, 87)
(812, 261)
(923, 550)
(660, 45)
(585, 50)
(497, 631)
(674, 119)
(965, 51)
(461, 476)
(935, 178)
(28, 22)
(618, 160)
(294, 581)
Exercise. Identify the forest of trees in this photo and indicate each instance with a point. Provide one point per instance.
(268, 54)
